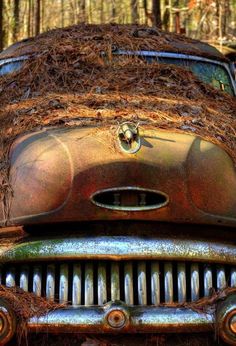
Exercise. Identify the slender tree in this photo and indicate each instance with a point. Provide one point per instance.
(113, 11)
(62, 13)
(37, 17)
(134, 11)
(1, 25)
(82, 10)
(156, 11)
(16, 20)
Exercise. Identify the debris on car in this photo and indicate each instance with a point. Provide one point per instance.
(114, 141)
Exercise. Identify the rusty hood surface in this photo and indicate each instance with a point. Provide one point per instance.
(57, 174)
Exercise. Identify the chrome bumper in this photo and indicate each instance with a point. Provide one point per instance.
(119, 318)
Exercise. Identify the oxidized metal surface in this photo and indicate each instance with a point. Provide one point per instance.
(74, 164)
(120, 248)
(225, 318)
(7, 323)
(148, 319)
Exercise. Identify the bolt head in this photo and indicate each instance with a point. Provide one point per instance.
(116, 318)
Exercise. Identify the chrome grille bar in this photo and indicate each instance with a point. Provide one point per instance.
(194, 282)
(133, 282)
(181, 277)
(76, 285)
(233, 277)
(10, 278)
(208, 281)
(63, 284)
(50, 282)
(24, 278)
(115, 281)
(168, 282)
(102, 285)
(155, 283)
(88, 284)
(142, 284)
(220, 277)
(37, 281)
(128, 283)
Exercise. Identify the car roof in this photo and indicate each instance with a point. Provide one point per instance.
(134, 37)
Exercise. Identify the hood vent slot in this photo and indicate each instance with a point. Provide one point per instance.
(130, 199)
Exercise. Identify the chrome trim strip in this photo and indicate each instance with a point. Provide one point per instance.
(129, 208)
(9, 60)
(93, 320)
(120, 248)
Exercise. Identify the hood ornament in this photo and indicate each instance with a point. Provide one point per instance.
(128, 136)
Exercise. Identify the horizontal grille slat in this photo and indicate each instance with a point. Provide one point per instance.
(134, 282)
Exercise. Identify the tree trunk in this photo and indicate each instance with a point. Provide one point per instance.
(62, 13)
(102, 12)
(16, 20)
(1, 25)
(113, 11)
(29, 18)
(82, 11)
(156, 11)
(134, 11)
(145, 11)
(37, 17)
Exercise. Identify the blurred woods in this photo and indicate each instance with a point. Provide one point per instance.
(213, 20)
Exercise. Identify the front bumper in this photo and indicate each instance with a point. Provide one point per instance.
(120, 318)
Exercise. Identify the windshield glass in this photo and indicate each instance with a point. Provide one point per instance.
(213, 74)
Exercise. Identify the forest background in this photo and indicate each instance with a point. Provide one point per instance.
(210, 20)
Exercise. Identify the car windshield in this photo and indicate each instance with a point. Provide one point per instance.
(209, 72)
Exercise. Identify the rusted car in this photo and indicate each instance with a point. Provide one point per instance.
(129, 238)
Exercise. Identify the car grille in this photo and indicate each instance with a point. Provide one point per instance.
(134, 282)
